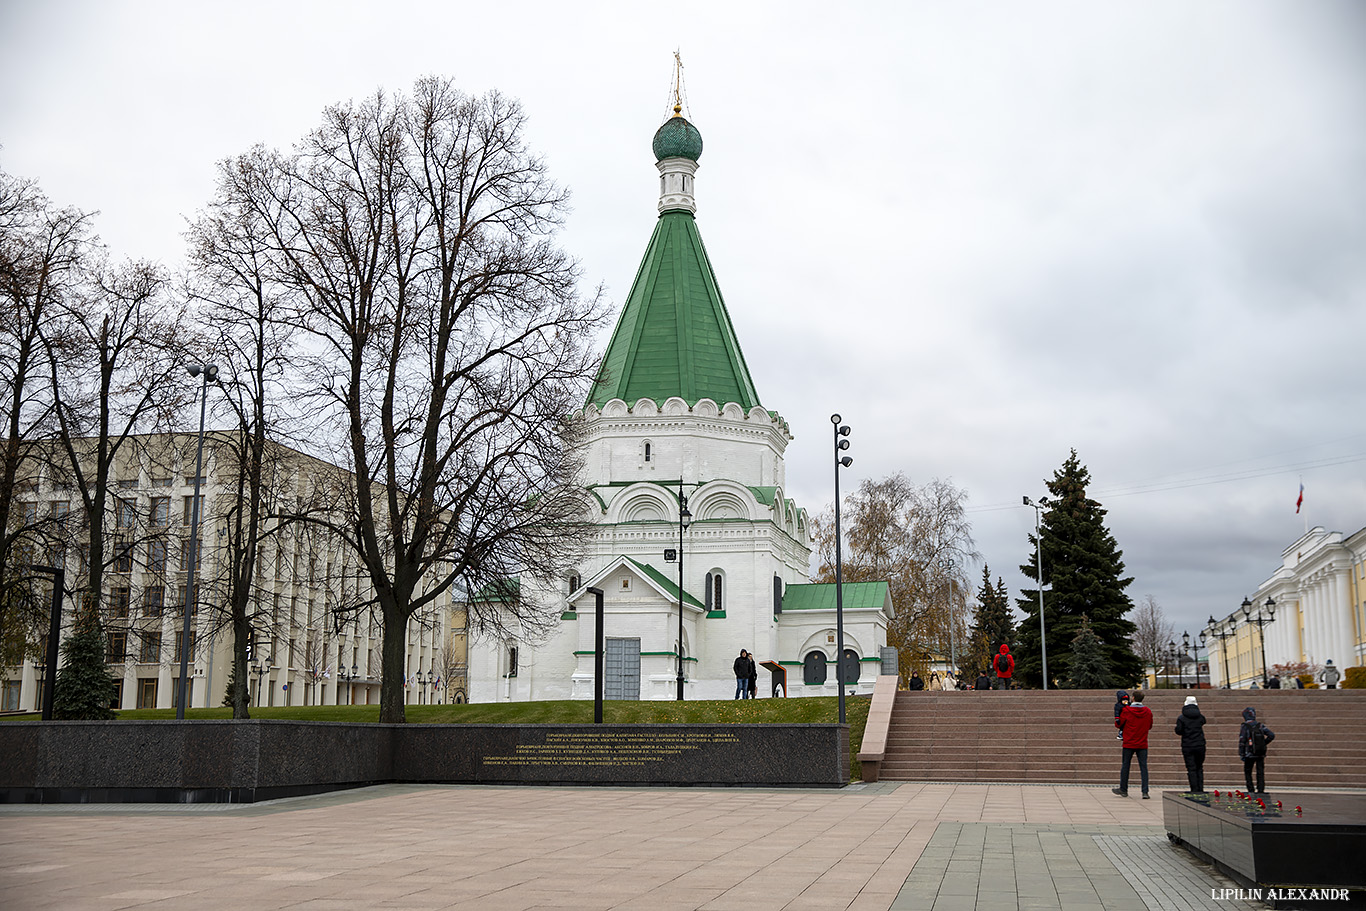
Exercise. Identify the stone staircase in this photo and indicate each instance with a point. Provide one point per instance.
(1063, 736)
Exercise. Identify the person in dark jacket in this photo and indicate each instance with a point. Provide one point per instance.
(1134, 722)
(1004, 666)
(983, 682)
(1253, 737)
(915, 683)
(1190, 724)
(753, 677)
(742, 675)
(1121, 700)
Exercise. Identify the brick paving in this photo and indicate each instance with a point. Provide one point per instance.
(426, 848)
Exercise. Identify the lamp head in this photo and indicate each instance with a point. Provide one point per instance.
(847, 461)
(1247, 607)
(844, 430)
(835, 419)
(1271, 607)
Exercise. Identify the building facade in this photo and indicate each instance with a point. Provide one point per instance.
(686, 464)
(1317, 613)
(303, 651)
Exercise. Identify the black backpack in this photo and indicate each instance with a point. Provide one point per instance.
(1002, 664)
(1258, 739)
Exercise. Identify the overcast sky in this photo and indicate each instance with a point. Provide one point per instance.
(985, 233)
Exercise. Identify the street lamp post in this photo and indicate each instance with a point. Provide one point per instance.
(684, 520)
(1171, 652)
(947, 564)
(1038, 568)
(1185, 650)
(1221, 634)
(1261, 620)
(1201, 648)
(841, 444)
(210, 374)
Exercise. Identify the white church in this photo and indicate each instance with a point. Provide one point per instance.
(676, 436)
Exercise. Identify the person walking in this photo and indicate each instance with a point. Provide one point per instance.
(950, 682)
(742, 675)
(935, 682)
(1253, 738)
(1190, 724)
(915, 683)
(1005, 667)
(1134, 722)
(983, 682)
(753, 677)
(1330, 675)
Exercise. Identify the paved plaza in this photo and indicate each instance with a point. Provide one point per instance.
(939, 847)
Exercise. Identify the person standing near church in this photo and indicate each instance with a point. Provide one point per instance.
(1190, 724)
(1330, 675)
(753, 677)
(1134, 722)
(742, 675)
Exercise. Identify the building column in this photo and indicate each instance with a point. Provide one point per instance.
(1344, 652)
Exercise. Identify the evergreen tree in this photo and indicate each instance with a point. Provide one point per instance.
(1083, 575)
(1089, 670)
(230, 696)
(85, 688)
(993, 624)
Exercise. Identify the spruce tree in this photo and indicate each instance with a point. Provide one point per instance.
(993, 625)
(85, 688)
(1089, 669)
(1083, 575)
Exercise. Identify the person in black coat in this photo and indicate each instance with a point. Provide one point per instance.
(742, 675)
(753, 677)
(983, 682)
(1253, 737)
(1191, 726)
(915, 683)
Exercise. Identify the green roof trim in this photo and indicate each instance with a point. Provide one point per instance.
(716, 615)
(674, 336)
(765, 495)
(821, 596)
(503, 590)
(664, 582)
(569, 615)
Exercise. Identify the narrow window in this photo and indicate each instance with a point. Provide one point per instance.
(512, 661)
(716, 602)
(647, 450)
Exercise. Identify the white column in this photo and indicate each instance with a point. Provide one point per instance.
(1343, 643)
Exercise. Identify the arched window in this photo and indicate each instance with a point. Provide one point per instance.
(813, 668)
(574, 583)
(715, 586)
(849, 667)
(648, 450)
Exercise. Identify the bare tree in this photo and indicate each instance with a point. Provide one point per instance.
(1152, 632)
(44, 251)
(447, 341)
(919, 540)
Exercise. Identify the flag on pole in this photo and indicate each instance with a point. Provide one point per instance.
(1300, 499)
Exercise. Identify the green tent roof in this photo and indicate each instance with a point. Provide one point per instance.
(674, 337)
(664, 582)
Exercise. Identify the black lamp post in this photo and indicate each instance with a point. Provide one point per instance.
(1185, 651)
(259, 670)
(1199, 649)
(210, 374)
(841, 444)
(684, 520)
(1218, 631)
(1038, 568)
(1261, 620)
(1171, 652)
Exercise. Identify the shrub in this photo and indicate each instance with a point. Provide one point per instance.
(1308, 681)
(1354, 678)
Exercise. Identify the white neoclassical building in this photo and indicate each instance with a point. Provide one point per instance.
(675, 422)
(1318, 612)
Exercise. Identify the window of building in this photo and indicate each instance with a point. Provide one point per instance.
(179, 638)
(175, 693)
(118, 601)
(161, 482)
(125, 513)
(117, 647)
(187, 507)
(512, 661)
(715, 590)
(123, 555)
(813, 668)
(153, 600)
(156, 556)
(648, 450)
(575, 582)
(61, 509)
(10, 702)
(128, 483)
(117, 701)
(160, 512)
(185, 553)
(147, 692)
(180, 600)
(151, 648)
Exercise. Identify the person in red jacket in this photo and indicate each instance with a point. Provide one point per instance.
(1134, 722)
(1005, 667)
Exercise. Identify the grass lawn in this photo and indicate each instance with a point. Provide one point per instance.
(822, 709)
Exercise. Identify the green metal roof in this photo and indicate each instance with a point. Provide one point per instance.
(674, 337)
(821, 596)
(664, 582)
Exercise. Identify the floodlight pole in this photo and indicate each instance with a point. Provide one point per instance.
(1038, 568)
(841, 431)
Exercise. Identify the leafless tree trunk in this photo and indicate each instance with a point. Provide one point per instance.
(1152, 632)
(44, 251)
(447, 344)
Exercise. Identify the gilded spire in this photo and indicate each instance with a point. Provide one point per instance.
(678, 84)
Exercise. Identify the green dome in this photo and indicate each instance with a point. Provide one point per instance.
(677, 139)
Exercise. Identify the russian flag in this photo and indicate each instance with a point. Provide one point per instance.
(1300, 499)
